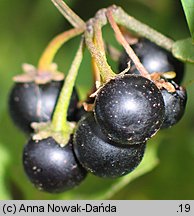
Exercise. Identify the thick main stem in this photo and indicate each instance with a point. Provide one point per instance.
(96, 73)
(70, 15)
(98, 39)
(59, 120)
(104, 68)
(49, 53)
(120, 38)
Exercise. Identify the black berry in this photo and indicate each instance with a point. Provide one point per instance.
(50, 167)
(101, 156)
(30, 102)
(154, 59)
(175, 104)
(129, 109)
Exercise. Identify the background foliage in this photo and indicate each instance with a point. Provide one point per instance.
(26, 28)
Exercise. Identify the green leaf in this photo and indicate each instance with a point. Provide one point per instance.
(188, 6)
(4, 159)
(184, 50)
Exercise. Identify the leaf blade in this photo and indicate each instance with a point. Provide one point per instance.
(188, 7)
(184, 50)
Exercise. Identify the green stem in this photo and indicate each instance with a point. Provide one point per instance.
(100, 59)
(49, 53)
(98, 39)
(117, 15)
(96, 75)
(59, 120)
(70, 15)
(99, 42)
(93, 31)
(122, 18)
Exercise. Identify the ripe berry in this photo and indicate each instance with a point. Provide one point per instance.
(50, 167)
(174, 105)
(101, 156)
(31, 102)
(129, 109)
(154, 59)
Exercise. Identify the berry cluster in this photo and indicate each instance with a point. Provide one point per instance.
(157, 60)
(49, 166)
(109, 139)
(129, 110)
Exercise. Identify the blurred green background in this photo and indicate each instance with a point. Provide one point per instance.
(26, 28)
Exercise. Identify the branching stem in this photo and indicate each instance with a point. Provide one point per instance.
(98, 55)
(122, 18)
(120, 38)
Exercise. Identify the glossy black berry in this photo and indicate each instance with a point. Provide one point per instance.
(50, 167)
(154, 59)
(30, 102)
(175, 104)
(101, 156)
(129, 109)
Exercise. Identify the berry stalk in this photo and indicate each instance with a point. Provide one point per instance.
(96, 74)
(49, 53)
(99, 42)
(98, 54)
(70, 15)
(59, 121)
(120, 38)
(98, 39)
(122, 18)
